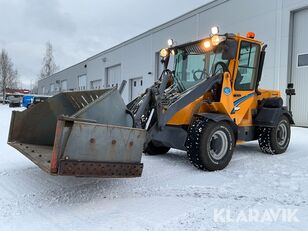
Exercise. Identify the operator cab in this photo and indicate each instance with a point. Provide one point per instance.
(196, 61)
(200, 60)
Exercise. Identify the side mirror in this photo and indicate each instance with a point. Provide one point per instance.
(290, 89)
(165, 62)
(228, 48)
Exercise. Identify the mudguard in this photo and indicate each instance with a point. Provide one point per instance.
(216, 117)
(268, 117)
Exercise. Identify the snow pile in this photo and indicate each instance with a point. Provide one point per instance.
(171, 194)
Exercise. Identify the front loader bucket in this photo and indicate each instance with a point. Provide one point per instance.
(88, 133)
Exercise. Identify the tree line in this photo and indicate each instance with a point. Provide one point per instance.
(9, 74)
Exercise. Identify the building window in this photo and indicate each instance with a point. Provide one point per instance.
(82, 82)
(43, 90)
(302, 60)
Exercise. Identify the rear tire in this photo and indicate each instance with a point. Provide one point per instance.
(275, 140)
(210, 144)
(156, 150)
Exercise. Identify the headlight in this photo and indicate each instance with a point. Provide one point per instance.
(216, 39)
(164, 52)
(207, 44)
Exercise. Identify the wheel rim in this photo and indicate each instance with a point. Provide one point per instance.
(218, 145)
(282, 133)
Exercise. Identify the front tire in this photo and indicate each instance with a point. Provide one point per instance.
(210, 144)
(275, 140)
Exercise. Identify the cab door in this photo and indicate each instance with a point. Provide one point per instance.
(245, 81)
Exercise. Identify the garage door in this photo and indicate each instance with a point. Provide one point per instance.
(96, 84)
(64, 85)
(136, 86)
(113, 76)
(82, 82)
(300, 68)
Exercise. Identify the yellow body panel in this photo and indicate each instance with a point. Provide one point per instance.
(183, 117)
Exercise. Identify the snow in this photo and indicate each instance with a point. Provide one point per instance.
(171, 194)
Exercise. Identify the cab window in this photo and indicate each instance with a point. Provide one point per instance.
(195, 68)
(248, 66)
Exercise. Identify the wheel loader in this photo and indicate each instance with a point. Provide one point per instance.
(209, 102)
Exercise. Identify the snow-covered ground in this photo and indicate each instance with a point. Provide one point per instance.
(171, 194)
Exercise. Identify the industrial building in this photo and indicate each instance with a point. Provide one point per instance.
(279, 23)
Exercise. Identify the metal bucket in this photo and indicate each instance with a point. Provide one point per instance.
(88, 133)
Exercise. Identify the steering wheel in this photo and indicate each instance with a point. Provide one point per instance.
(195, 75)
(222, 64)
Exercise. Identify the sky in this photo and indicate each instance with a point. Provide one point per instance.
(77, 29)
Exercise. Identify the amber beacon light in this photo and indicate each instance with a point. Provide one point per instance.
(251, 35)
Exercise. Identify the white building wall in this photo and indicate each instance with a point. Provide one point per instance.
(70, 74)
(95, 70)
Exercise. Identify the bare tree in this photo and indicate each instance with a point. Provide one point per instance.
(8, 75)
(49, 66)
(34, 87)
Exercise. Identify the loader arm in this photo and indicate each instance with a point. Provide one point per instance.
(188, 97)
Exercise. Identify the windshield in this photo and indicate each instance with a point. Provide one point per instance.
(193, 65)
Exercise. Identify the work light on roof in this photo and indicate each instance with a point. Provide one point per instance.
(214, 30)
(170, 42)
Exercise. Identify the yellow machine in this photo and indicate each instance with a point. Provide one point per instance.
(206, 104)
(212, 101)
